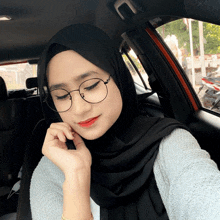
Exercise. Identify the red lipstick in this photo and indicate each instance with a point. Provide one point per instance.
(88, 122)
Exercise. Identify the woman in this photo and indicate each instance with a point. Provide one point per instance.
(124, 165)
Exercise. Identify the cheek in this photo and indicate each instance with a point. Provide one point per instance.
(110, 109)
(114, 104)
(65, 118)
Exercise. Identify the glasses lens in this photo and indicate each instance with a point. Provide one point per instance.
(93, 90)
(61, 99)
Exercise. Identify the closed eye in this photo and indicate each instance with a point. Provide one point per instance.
(62, 97)
(92, 86)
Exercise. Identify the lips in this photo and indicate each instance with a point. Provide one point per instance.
(88, 122)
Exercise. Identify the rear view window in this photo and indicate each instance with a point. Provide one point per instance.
(15, 75)
(131, 66)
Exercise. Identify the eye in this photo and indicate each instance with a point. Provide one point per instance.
(62, 97)
(92, 86)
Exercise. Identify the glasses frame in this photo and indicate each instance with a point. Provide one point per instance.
(69, 93)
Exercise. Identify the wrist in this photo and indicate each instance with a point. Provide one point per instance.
(77, 180)
(76, 195)
(76, 201)
(83, 173)
(90, 218)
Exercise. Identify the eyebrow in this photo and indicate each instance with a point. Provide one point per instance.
(77, 79)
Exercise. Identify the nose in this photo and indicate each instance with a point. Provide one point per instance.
(79, 106)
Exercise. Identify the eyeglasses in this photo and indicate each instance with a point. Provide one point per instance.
(92, 91)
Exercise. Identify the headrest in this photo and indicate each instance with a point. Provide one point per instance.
(3, 90)
(31, 83)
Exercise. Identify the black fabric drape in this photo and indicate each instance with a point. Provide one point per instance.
(122, 179)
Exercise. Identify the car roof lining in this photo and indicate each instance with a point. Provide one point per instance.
(35, 22)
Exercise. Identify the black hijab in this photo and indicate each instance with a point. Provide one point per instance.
(122, 179)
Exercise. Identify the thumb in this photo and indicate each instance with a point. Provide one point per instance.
(78, 142)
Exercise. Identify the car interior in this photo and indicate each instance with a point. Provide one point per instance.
(163, 87)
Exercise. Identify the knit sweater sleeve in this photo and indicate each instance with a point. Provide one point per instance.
(46, 193)
(187, 179)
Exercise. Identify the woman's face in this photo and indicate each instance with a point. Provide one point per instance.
(67, 70)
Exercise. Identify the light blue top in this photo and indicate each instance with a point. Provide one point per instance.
(187, 179)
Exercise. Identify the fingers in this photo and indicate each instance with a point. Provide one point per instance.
(56, 136)
(60, 131)
(55, 148)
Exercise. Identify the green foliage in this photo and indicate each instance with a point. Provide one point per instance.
(178, 28)
(130, 66)
(212, 36)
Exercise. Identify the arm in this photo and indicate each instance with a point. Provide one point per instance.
(76, 200)
(76, 203)
(46, 192)
(187, 179)
(75, 165)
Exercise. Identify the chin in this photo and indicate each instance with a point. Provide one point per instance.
(92, 135)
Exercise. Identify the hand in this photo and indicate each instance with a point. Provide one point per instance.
(76, 166)
(55, 149)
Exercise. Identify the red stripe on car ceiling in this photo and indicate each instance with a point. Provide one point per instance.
(172, 64)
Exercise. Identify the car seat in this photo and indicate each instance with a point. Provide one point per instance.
(3, 90)
(32, 151)
(18, 117)
(12, 143)
(32, 157)
(11, 146)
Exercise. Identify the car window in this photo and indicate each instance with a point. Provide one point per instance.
(196, 45)
(137, 71)
(15, 75)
